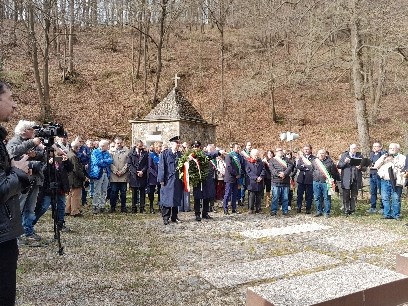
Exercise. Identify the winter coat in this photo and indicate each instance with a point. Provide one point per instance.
(305, 175)
(232, 167)
(12, 182)
(206, 190)
(350, 174)
(152, 169)
(137, 162)
(253, 170)
(17, 146)
(100, 161)
(318, 175)
(76, 176)
(119, 163)
(275, 166)
(57, 173)
(172, 190)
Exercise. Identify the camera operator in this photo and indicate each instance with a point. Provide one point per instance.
(22, 143)
(13, 179)
(57, 171)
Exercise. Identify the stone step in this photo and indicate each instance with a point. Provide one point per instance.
(233, 274)
(286, 230)
(351, 285)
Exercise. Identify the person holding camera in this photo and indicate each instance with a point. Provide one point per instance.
(22, 143)
(13, 180)
(56, 172)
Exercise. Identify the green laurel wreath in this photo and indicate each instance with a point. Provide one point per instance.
(202, 159)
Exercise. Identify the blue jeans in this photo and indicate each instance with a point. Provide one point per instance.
(231, 191)
(61, 200)
(375, 188)
(320, 191)
(280, 194)
(91, 188)
(308, 189)
(117, 187)
(389, 194)
(27, 206)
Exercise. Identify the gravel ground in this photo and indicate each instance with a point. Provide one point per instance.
(123, 259)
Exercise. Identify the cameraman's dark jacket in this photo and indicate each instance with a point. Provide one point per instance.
(60, 176)
(12, 182)
(18, 146)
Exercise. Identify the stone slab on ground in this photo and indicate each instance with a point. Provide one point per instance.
(353, 240)
(233, 274)
(345, 285)
(286, 230)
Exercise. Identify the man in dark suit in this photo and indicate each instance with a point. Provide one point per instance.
(137, 165)
(351, 178)
(233, 172)
(305, 178)
(171, 185)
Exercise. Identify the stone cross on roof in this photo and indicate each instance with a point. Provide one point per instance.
(175, 80)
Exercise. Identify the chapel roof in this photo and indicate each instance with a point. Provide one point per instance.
(175, 106)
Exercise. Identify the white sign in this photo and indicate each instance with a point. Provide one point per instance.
(153, 137)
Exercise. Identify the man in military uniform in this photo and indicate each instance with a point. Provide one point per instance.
(171, 185)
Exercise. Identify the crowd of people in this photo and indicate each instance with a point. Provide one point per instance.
(35, 175)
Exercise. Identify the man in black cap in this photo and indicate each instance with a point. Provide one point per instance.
(171, 186)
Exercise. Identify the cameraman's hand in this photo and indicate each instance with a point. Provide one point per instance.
(21, 164)
(37, 141)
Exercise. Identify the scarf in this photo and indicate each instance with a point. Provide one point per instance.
(155, 157)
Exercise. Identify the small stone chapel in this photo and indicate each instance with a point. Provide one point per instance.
(173, 116)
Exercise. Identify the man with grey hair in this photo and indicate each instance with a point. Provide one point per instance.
(391, 171)
(100, 172)
(351, 178)
(23, 143)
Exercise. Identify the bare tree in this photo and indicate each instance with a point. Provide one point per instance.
(358, 79)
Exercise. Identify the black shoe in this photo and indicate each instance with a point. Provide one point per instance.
(112, 210)
(298, 210)
(273, 213)
(308, 211)
(226, 212)
(134, 210)
(207, 216)
(142, 210)
(235, 212)
(177, 220)
(152, 210)
(124, 210)
(166, 221)
(318, 215)
(197, 218)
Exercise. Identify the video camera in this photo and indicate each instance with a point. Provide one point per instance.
(48, 131)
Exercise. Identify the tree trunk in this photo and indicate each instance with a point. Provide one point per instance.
(46, 84)
(358, 80)
(378, 90)
(71, 39)
(159, 49)
(34, 54)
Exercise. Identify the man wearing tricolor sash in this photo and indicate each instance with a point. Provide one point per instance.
(232, 175)
(281, 168)
(305, 178)
(324, 172)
